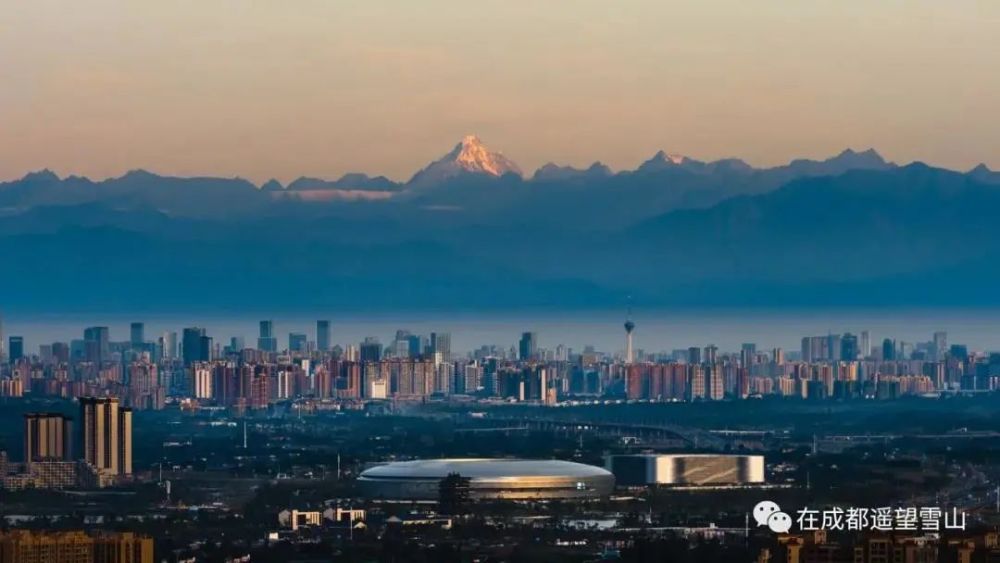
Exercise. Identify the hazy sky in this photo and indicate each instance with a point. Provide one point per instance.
(283, 88)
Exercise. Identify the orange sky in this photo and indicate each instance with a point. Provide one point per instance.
(283, 88)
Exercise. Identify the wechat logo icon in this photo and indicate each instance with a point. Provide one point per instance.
(768, 513)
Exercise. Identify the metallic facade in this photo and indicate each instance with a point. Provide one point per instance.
(513, 479)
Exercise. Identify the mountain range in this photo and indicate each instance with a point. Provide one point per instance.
(471, 230)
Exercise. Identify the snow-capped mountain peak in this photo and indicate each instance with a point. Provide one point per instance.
(662, 160)
(473, 156)
(468, 156)
(674, 158)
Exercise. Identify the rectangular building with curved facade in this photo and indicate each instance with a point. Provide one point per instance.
(698, 470)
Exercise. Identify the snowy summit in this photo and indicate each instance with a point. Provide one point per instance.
(470, 156)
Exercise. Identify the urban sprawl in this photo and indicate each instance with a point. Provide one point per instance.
(193, 366)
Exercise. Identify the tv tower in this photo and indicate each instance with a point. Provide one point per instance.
(629, 327)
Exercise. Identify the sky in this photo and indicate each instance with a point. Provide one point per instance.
(285, 88)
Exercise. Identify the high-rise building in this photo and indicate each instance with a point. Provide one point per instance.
(696, 387)
(297, 342)
(441, 343)
(96, 344)
(202, 381)
(866, 344)
(562, 353)
(370, 350)
(832, 347)
(748, 354)
(528, 346)
(940, 345)
(629, 328)
(60, 352)
(888, 350)
(959, 352)
(3, 354)
(169, 344)
(47, 437)
(32, 546)
(400, 348)
(848, 347)
(106, 435)
(123, 547)
(266, 341)
(125, 441)
(16, 348)
(205, 348)
(191, 346)
(137, 334)
(817, 348)
(694, 355)
(323, 336)
(29, 546)
(416, 346)
(714, 384)
(711, 354)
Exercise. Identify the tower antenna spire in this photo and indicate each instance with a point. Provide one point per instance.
(629, 327)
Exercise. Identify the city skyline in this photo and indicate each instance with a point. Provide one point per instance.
(655, 331)
(197, 369)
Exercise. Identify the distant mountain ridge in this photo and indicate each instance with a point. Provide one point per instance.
(470, 157)
(984, 174)
(350, 181)
(553, 172)
(455, 181)
(471, 231)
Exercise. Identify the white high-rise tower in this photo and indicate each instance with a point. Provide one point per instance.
(629, 327)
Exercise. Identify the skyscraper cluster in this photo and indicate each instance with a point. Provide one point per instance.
(151, 375)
